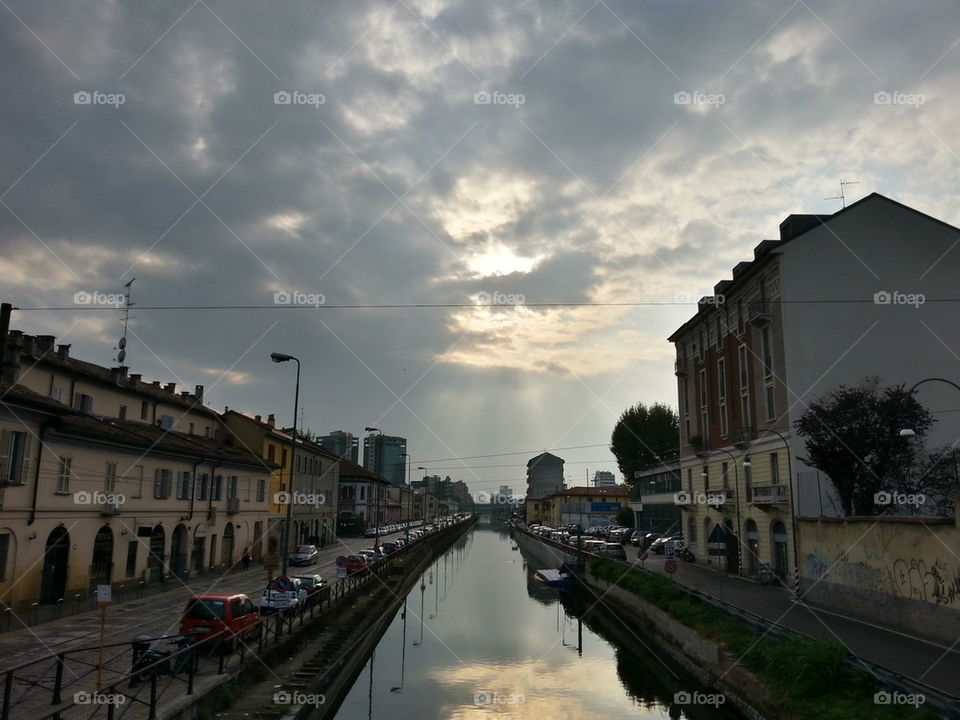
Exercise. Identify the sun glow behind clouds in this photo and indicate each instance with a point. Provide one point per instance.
(499, 259)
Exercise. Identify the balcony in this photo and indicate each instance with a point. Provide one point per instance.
(212, 515)
(233, 505)
(742, 436)
(759, 312)
(770, 495)
(680, 368)
(725, 498)
(110, 508)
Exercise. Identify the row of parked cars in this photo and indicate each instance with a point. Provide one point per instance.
(234, 617)
(389, 529)
(571, 535)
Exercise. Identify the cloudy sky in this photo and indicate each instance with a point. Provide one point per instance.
(499, 183)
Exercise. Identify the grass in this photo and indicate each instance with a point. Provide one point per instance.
(805, 678)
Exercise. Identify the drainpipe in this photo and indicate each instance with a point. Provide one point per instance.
(42, 431)
(193, 491)
(213, 479)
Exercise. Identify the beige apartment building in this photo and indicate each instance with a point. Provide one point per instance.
(107, 480)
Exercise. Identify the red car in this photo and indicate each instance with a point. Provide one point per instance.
(212, 613)
(355, 563)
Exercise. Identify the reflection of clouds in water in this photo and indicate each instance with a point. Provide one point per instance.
(556, 686)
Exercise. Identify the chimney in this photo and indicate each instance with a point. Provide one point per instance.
(45, 343)
(198, 392)
(156, 384)
(184, 394)
(257, 418)
(135, 378)
(118, 373)
(271, 420)
(63, 351)
(170, 387)
(12, 347)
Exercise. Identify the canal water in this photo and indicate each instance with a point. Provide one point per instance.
(480, 637)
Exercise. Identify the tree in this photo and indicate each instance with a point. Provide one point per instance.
(643, 436)
(853, 435)
(625, 517)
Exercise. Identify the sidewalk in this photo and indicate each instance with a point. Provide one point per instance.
(937, 665)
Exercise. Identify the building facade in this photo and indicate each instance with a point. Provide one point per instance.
(342, 444)
(584, 506)
(604, 478)
(544, 475)
(386, 455)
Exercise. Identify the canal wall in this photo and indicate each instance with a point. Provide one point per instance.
(702, 658)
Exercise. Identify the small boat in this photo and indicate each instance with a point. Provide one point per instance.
(554, 578)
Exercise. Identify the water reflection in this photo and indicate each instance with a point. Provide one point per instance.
(490, 639)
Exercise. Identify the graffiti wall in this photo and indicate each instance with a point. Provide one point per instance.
(902, 572)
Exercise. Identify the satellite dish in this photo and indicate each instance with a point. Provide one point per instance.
(121, 356)
(123, 343)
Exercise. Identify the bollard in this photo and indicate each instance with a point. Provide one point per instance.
(58, 609)
(35, 612)
(140, 591)
(58, 680)
(153, 696)
(120, 593)
(139, 647)
(111, 706)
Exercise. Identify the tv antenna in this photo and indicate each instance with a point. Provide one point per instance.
(122, 344)
(842, 196)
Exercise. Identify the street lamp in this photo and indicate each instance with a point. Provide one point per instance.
(409, 496)
(285, 552)
(378, 448)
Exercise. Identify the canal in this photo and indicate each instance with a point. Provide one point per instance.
(480, 637)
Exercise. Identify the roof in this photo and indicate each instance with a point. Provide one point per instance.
(284, 432)
(350, 470)
(792, 228)
(154, 439)
(543, 457)
(17, 393)
(593, 492)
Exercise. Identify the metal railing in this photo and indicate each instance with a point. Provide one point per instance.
(770, 494)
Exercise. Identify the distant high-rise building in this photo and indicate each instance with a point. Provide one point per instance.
(385, 455)
(544, 475)
(604, 478)
(342, 444)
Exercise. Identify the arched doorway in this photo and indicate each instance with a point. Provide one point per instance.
(733, 548)
(779, 533)
(226, 546)
(178, 551)
(56, 555)
(101, 566)
(199, 541)
(155, 558)
(753, 548)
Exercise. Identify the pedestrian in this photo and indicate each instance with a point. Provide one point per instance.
(246, 558)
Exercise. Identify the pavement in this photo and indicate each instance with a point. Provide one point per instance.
(931, 663)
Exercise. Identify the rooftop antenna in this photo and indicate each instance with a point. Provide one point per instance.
(122, 344)
(842, 196)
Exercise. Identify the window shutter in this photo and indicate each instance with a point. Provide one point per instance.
(157, 483)
(4, 456)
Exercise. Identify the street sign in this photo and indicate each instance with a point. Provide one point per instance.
(670, 551)
(341, 572)
(103, 594)
(670, 566)
(643, 555)
(341, 561)
(282, 584)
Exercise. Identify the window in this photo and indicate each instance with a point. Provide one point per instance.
(744, 372)
(145, 410)
(690, 480)
(722, 393)
(14, 458)
(184, 485)
(232, 486)
(740, 316)
(691, 530)
(166, 422)
(283, 458)
(363, 489)
(83, 402)
(774, 469)
(725, 474)
(766, 342)
(771, 409)
(271, 453)
(706, 477)
(63, 475)
(748, 481)
(132, 558)
(261, 490)
(204, 493)
(216, 491)
(135, 479)
(745, 410)
(719, 333)
(123, 412)
(703, 345)
(110, 477)
(57, 394)
(161, 483)
(4, 553)
(206, 431)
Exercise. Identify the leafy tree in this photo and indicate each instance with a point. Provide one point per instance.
(625, 517)
(936, 477)
(853, 435)
(644, 436)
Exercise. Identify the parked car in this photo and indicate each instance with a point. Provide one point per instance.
(315, 586)
(355, 563)
(635, 537)
(389, 547)
(594, 546)
(282, 594)
(370, 532)
(370, 554)
(659, 546)
(615, 551)
(233, 614)
(304, 555)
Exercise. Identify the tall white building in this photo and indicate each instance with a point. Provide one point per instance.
(604, 478)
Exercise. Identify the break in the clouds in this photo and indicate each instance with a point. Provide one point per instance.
(442, 153)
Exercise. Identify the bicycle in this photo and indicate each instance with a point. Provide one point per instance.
(766, 575)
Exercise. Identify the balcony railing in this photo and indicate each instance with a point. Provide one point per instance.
(725, 497)
(770, 494)
(233, 505)
(110, 508)
(758, 311)
(742, 435)
(680, 368)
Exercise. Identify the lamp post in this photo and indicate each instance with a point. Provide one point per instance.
(379, 450)
(910, 432)
(736, 501)
(285, 552)
(409, 491)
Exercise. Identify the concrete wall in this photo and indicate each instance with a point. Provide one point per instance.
(898, 572)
